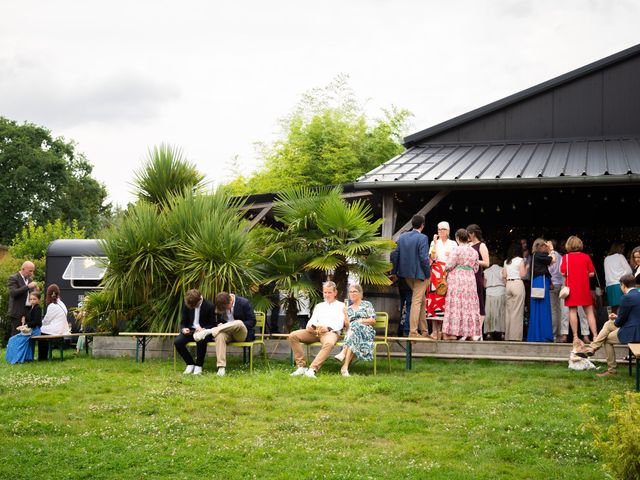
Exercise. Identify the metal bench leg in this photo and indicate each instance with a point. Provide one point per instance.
(408, 356)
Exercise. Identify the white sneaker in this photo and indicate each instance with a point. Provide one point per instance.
(197, 370)
(221, 372)
(189, 369)
(299, 372)
(345, 373)
(199, 335)
(310, 373)
(340, 356)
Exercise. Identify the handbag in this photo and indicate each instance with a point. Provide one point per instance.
(442, 287)
(537, 292)
(565, 291)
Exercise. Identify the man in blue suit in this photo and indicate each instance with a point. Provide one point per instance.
(411, 261)
(621, 328)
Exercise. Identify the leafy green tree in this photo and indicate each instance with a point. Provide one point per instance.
(327, 140)
(33, 241)
(44, 179)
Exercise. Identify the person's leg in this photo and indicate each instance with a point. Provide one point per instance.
(607, 329)
(15, 323)
(555, 310)
(573, 321)
(408, 295)
(181, 347)
(295, 338)
(417, 314)
(234, 331)
(328, 341)
(590, 314)
(564, 320)
(348, 355)
(201, 350)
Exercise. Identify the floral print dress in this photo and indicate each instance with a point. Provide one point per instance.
(359, 338)
(462, 309)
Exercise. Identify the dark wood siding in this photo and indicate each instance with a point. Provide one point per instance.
(606, 102)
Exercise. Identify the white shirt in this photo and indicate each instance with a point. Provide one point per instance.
(495, 282)
(196, 316)
(615, 266)
(443, 249)
(55, 320)
(513, 268)
(329, 315)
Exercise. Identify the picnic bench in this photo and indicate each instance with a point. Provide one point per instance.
(142, 339)
(57, 341)
(634, 351)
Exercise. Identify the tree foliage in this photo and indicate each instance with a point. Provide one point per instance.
(326, 140)
(33, 241)
(44, 179)
(158, 251)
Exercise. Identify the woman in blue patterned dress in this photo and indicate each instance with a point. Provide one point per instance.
(360, 317)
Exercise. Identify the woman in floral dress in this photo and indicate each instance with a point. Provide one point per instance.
(360, 317)
(461, 309)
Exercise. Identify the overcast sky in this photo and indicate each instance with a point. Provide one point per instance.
(213, 77)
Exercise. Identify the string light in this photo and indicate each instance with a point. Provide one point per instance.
(513, 206)
(466, 208)
(451, 207)
(481, 209)
(498, 208)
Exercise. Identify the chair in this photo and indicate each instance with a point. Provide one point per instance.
(259, 340)
(382, 323)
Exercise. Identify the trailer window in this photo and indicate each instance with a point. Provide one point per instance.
(85, 272)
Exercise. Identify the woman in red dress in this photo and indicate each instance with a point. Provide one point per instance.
(577, 267)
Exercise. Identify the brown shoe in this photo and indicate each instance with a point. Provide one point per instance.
(561, 339)
(608, 373)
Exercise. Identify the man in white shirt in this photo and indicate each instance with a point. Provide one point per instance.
(325, 326)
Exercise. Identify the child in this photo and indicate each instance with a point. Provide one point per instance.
(20, 348)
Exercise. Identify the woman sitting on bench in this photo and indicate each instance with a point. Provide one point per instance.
(55, 320)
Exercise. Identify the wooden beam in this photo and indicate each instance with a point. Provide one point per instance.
(358, 194)
(389, 214)
(430, 205)
(258, 217)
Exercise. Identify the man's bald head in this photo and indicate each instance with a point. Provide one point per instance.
(27, 269)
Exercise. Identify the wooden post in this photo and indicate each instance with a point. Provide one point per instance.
(389, 214)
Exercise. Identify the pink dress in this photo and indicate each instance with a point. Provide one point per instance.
(462, 309)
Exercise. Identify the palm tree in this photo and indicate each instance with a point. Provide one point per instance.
(341, 238)
(166, 172)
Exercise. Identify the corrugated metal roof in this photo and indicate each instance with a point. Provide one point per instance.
(511, 163)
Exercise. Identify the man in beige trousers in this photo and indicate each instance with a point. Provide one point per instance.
(325, 326)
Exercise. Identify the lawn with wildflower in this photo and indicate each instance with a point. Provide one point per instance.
(113, 418)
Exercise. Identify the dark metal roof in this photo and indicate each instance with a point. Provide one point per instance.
(75, 248)
(511, 164)
(423, 135)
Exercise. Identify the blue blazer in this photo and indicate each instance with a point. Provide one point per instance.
(410, 259)
(242, 310)
(629, 317)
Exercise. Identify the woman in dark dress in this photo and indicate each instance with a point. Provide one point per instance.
(477, 242)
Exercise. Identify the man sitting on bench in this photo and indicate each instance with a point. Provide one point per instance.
(324, 326)
(197, 315)
(621, 328)
(235, 322)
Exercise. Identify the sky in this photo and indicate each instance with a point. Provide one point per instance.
(215, 77)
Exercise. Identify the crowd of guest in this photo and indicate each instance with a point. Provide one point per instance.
(537, 294)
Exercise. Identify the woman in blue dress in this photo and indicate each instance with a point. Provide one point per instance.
(540, 325)
(360, 317)
(20, 347)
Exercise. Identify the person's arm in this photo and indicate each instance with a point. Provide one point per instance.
(249, 317)
(524, 269)
(185, 324)
(16, 287)
(370, 312)
(484, 256)
(590, 267)
(623, 311)
(423, 256)
(395, 256)
(313, 321)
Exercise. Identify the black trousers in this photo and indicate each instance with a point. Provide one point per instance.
(43, 349)
(201, 348)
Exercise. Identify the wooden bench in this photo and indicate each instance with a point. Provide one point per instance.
(57, 341)
(634, 351)
(246, 346)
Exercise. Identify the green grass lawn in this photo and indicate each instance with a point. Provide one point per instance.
(113, 418)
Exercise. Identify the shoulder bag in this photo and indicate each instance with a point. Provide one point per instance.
(537, 292)
(564, 291)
